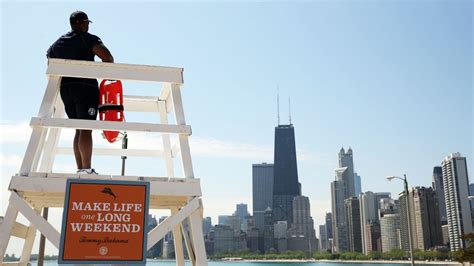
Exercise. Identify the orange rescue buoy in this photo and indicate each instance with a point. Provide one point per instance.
(111, 105)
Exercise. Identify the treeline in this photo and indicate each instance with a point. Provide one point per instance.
(34, 257)
(396, 254)
(288, 255)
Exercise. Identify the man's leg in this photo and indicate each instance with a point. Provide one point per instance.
(77, 152)
(85, 148)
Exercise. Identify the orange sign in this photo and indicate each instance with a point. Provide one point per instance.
(104, 221)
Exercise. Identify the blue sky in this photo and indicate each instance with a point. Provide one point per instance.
(391, 79)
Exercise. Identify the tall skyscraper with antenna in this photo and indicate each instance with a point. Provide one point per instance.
(285, 182)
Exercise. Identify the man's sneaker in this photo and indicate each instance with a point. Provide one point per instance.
(90, 171)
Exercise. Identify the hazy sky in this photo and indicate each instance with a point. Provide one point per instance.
(391, 79)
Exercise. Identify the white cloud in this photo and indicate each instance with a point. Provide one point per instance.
(13, 161)
(14, 132)
(200, 146)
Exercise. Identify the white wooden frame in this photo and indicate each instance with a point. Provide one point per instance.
(36, 187)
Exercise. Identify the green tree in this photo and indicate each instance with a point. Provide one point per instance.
(467, 253)
(375, 255)
(394, 254)
(322, 255)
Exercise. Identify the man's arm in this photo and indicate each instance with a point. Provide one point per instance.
(101, 51)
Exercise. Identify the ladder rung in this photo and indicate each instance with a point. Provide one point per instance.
(116, 152)
(88, 69)
(108, 125)
(19, 230)
(133, 103)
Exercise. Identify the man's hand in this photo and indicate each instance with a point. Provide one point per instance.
(101, 51)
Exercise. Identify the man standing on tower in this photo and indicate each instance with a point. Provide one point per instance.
(80, 95)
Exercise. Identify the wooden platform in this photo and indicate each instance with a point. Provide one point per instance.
(48, 189)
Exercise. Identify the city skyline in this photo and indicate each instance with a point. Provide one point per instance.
(379, 77)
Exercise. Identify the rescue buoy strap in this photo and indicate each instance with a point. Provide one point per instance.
(103, 108)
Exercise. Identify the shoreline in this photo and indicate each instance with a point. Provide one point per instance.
(345, 261)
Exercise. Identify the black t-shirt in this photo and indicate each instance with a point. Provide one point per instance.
(75, 45)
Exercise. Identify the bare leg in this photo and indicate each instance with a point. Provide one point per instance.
(85, 147)
(77, 153)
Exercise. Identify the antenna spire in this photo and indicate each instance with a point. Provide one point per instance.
(289, 108)
(278, 104)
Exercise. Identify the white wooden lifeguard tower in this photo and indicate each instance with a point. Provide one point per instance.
(35, 187)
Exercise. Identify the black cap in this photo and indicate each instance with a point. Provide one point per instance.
(77, 16)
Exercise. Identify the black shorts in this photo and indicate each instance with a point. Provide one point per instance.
(81, 100)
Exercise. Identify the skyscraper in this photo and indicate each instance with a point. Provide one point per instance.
(268, 233)
(242, 213)
(280, 236)
(301, 233)
(425, 221)
(388, 206)
(389, 228)
(369, 208)
(374, 242)
(235, 223)
(262, 191)
(222, 219)
(285, 174)
(207, 225)
(346, 160)
(352, 210)
(439, 190)
(329, 225)
(357, 184)
(302, 220)
(338, 193)
(426, 212)
(456, 191)
(323, 238)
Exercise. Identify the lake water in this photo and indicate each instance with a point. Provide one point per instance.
(221, 263)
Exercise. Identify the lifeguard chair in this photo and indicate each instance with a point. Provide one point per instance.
(35, 187)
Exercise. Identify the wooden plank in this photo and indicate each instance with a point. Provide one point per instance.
(29, 240)
(5, 229)
(186, 156)
(178, 241)
(108, 125)
(88, 69)
(189, 245)
(117, 177)
(178, 104)
(33, 151)
(175, 150)
(50, 95)
(166, 141)
(197, 236)
(165, 92)
(49, 150)
(171, 222)
(19, 230)
(165, 96)
(58, 185)
(183, 140)
(116, 152)
(140, 103)
(43, 226)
